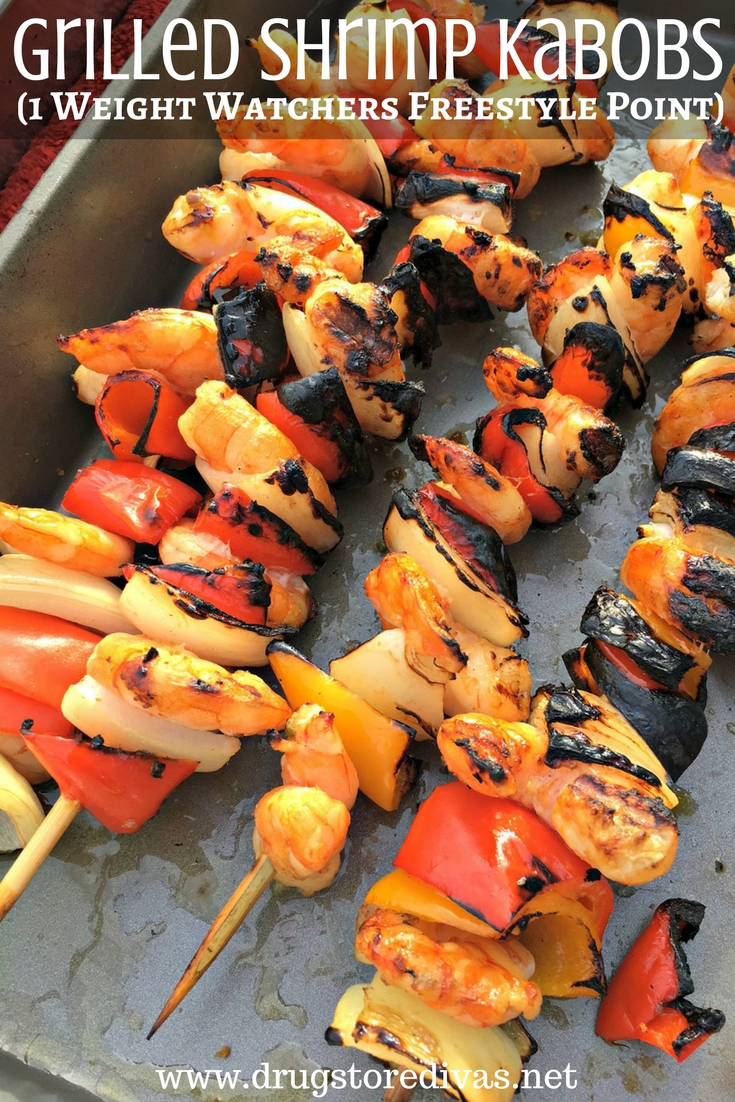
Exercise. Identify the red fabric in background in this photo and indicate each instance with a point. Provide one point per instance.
(56, 133)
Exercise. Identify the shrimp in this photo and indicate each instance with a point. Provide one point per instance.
(649, 283)
(480, 489)
(341, 152)
(314, 756)
(704, 399)
(479, 981)
(653, 204)
(234, 442)
(354, 55)
(689, 583)
(404, 596)
(477, 142)
(510, 374)
(302, 831)
(674, 143)
(57, 538)
(587, 136)
(210, 222)
(496, 680)
(714, 334)
(603, 790)
(178, 345)
(177, 685)
(586, 442)
(503, 272)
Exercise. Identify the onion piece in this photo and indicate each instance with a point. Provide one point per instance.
(98, 711)
(155, 610)
(41, 586)
(20, 812)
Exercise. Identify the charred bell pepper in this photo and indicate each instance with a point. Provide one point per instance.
(129, 499)
(673, 725)
(138, 415)
(647, 996)
(252, 532)
(119, 789)
(316, 415)
(252, 340)
(503, 867)
(220, 279)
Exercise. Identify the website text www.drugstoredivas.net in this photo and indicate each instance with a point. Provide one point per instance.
(320, 1083)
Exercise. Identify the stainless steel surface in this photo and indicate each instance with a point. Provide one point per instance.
(92, 950)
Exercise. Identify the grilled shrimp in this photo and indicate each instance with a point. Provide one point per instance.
(585, 441)
(478, 981)
(350, 326)
(211, 222)
(576, 141)
(353, 58)
(704, 398)
(674, 143)
(302, 831)
(597, 784)
(496, 680)
(653, 204)
(687, 580)
(648, 281)
(314, 756)
(475, 142)
(178, 345)
(177, 685)
(236, 444)
(503, 272)
(481, 490)
(341, 152)
(713, 334)
(405, 597)
(699, 153)
(65, 540)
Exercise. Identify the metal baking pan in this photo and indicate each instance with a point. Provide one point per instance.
(91, 952)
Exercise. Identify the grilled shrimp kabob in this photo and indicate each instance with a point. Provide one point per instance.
(203, 594)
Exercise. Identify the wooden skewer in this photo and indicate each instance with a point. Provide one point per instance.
(398, 1093)
(30, 859)
(240, 903)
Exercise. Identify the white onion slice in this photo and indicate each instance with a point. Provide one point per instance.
(20, 812)
(98, 711)
(14, 750)
(152, 608)
(43, 586)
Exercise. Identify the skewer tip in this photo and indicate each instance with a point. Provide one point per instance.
(222, 929)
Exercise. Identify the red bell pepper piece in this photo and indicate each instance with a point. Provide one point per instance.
(361, 221)
(238, 592)
(121, 790)
(236, 272)
(498, 442)
(129, 499)
(316, 447)
(646, 998)
(138, 415)
(42, 655)
(491, 856)
(627, 666)
(253, 532)
(21, 713)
